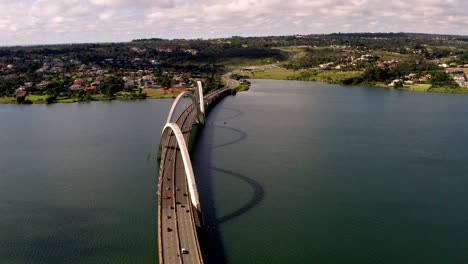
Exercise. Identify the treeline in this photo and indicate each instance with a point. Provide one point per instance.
(373, 75)
(176, 51)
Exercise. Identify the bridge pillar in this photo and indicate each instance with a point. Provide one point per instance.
(200, 96)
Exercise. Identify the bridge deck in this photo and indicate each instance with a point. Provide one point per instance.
(176, 223)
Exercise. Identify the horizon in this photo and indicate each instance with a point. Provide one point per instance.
(219, 38)
(44, 22)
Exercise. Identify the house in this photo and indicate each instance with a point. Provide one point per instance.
(425, 78)
(152, 86)
(77, 85)
(90, 88)
(191, 51)
(128, 82)
(168, 50)
(181, 84)
(78, 82)
(326, 65)
(459, 78)
(381, 65)
(155, 63)
(82, 67)
(43, 85)
(22, 91)
(367, 57)
(410, 76)
(394, 82)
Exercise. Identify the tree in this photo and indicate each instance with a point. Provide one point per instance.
(112, 85)
(51, 99)
(443, 79)
(20, 99)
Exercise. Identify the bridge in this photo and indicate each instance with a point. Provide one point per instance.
(179, 209)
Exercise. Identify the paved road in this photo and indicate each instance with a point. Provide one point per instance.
(176, 223)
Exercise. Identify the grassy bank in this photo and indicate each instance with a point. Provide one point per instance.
(278, 73)
(331, 76)
(42, 99)
(242, 87)
(159, 94)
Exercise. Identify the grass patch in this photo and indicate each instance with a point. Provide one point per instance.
(159, 93)
(101, 97)
(299, 53)
(336, 76)
(37, 99)
(277, 73)
(7, 100)
(461, 90)
(418, 88)
(236, 62)
(268, 73)
(242, 87)
(66, 100)
(387, 56)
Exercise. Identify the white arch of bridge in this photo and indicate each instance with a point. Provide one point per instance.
(200, 96)
(200, 107)
(186, 160)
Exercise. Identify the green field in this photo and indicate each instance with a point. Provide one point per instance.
(387, 56)
(158, 94)
(277, 73)
(418, 88)
(7, 100)
(463, 90)
(236, 62)
(270, 73)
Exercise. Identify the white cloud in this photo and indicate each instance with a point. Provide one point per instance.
(133, 3)
(48, 21)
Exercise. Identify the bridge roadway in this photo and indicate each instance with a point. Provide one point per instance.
(178, 219)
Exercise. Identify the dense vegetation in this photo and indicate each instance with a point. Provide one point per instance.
(51, 71)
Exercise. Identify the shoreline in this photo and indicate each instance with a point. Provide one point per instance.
(424, 88)
(245, 87)
(12, 100)
(412, 88)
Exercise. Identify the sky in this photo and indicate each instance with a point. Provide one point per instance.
(27, 22)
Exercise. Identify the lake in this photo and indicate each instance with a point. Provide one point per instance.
(288, 172)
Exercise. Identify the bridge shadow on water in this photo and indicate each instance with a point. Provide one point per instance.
(258, 196)
(242, 136)
(211, 238)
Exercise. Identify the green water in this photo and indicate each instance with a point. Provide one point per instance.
(289, 172)
(318, 173)
(78, 183)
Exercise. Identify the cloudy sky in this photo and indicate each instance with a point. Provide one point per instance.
(24, 22)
